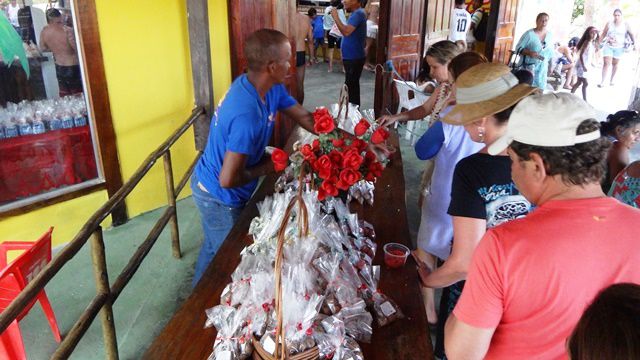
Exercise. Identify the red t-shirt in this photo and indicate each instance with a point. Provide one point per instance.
(532, 278)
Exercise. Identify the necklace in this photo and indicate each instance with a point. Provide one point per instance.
(443, 95)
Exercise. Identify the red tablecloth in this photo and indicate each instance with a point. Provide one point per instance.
(33, 164)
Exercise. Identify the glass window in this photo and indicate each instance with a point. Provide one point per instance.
(47, 138)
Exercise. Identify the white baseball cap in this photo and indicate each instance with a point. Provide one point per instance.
(547, 120)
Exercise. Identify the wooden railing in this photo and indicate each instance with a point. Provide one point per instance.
(107, 295)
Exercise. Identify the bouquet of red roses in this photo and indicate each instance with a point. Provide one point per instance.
(336, 160)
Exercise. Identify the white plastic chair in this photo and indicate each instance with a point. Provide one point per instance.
(409, 99)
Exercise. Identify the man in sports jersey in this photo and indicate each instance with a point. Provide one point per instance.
(460, 21)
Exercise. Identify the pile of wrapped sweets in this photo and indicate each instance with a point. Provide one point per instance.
(329, 285)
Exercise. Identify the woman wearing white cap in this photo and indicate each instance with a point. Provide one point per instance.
(482, 192)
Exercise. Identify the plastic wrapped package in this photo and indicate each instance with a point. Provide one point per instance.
(352, 118)
(234, 338)
(298, 317)
(335, 344)
(299, 321)
(264, 228)
(342, 281)
(384, 308)
(362, 192)
(236, 292)
(357, 321)
(260, 302)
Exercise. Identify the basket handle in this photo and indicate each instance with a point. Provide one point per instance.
(303, 226)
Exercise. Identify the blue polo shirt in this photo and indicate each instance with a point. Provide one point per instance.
(353, 45)
(243, 124)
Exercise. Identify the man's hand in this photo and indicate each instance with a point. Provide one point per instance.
(334, 13)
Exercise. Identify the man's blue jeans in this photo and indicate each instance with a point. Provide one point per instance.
(217, 220)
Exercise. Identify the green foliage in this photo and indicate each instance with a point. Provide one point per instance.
(578, 9)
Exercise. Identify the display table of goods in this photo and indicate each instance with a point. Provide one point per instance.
(301, 275)
(45, 145)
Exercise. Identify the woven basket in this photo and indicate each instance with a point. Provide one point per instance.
(303, 225)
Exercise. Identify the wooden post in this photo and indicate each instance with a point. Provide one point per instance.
(102, 287)
(171, 198)
(200, 49)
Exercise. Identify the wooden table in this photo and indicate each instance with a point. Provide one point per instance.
(185, 338)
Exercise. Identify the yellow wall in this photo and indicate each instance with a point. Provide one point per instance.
(219, 30)
(66, 218)
(147, 64)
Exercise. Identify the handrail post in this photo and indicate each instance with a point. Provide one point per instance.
(171, 198)
(102, 287)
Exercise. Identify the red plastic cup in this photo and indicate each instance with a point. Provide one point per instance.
(395, 255)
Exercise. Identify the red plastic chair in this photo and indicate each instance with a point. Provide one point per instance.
(13, 278)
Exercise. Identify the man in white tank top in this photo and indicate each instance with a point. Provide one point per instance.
(460, 22)
(613, 37)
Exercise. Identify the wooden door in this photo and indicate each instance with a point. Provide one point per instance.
(438, 19)
(400, 39)
(247, 16)
(500, 29)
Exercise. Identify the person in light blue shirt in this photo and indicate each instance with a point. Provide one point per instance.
(227, 174)
(353, 56)
(536, 48)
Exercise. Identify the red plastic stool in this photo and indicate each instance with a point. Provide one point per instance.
(13, 278)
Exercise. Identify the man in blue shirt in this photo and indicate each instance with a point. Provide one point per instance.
(353, 56)
(227, 173)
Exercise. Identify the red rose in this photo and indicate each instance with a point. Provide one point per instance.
(324, 124)
(306, 150)
(338, 142)
(320, 112)
(361, 128)
(376, 168)
(359, 144)
(336, 157)
(370, 157)
(315, 145)
(324, 167)
(379, 136)
(370, 177)
(307, 153)
(329, 188)
(351, 159)
(280, 159)
(348, 177)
